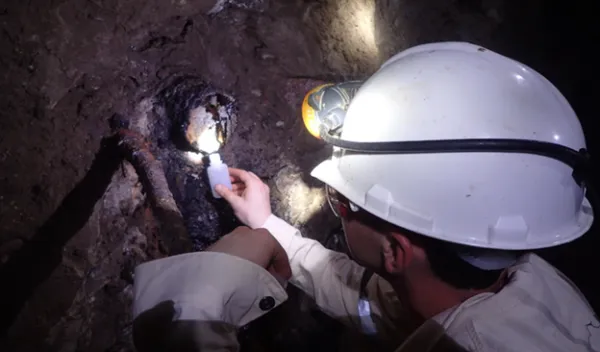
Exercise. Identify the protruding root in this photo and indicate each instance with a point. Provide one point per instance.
(173, 231)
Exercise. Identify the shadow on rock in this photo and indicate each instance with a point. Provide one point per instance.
(36, 260)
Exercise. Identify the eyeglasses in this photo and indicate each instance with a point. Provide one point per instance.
(340, 205)
(343, 208)
(335, 203)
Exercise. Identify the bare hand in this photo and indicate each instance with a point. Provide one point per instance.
(257, 246)
(249, 197)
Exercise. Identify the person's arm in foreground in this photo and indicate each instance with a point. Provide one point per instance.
(196, 301)
(331, 278)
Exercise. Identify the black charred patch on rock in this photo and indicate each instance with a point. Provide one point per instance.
(195, 107)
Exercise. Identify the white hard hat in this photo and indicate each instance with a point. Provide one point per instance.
(489, 199)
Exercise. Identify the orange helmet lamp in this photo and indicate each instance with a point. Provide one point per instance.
(324, 107)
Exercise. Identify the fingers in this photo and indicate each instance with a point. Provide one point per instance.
(254, 176)
(237, 175)
(249, 197)
(241, 175)
(238, 188)
(230, 196)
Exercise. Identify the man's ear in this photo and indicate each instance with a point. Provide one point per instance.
(397, 253)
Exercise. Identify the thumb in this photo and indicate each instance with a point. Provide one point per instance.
(228, 195)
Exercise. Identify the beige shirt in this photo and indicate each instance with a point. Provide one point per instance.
(210, 295)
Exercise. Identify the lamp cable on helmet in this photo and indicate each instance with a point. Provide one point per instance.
(324, 109)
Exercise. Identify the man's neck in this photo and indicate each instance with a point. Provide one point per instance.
(429, 296)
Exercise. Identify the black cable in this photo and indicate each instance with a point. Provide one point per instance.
(576, 159)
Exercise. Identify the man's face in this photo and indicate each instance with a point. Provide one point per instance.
(365, 244)
(364, 241)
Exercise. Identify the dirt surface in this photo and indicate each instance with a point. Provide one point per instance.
(81, 214)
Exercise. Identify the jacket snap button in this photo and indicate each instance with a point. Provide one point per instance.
(266, 303)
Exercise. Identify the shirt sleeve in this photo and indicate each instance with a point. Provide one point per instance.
(197, 301)
(341, 288)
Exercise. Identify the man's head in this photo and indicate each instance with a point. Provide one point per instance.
(452, 98)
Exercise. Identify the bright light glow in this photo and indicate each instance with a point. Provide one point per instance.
(556, 137)
(303, 201)
(365, 23)
(357, 18)
(208, 141)
(202, 130)
(195, 158)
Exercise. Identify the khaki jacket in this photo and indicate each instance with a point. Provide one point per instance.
(197, 301)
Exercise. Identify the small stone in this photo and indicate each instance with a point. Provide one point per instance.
(279, 123)
(267, 56)
(256, 92)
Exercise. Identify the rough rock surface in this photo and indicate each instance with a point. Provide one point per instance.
(69, 65)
